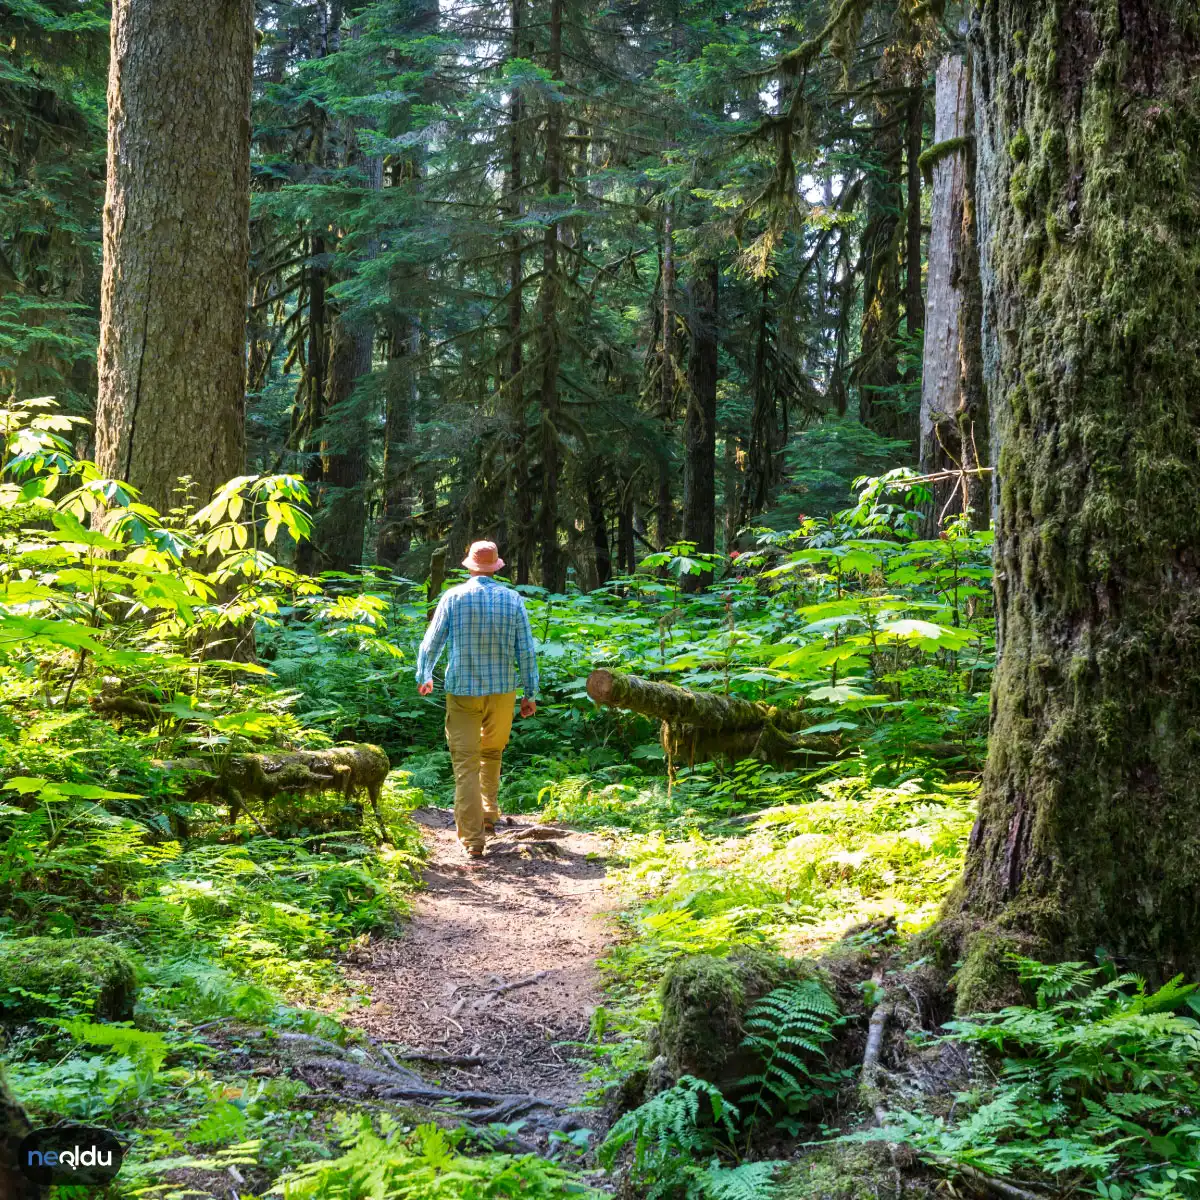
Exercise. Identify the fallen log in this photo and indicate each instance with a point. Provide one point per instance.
(243, 777)
(697, 726)
(679, 706)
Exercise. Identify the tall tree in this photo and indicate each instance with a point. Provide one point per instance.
(877, 371)
(700, 422)
(176, 245)
(553, 565)
(54, 58)
(1088, 125)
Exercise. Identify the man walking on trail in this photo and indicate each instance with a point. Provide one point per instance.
(488, 630)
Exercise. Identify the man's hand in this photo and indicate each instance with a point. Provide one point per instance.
(528, 707)
(425, 689)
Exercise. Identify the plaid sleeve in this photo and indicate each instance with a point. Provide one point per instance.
(434, 641)
(526, 653)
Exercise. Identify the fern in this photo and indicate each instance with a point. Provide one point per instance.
(425, 1164)
(672, 1134)
(788, 1029)
(1097, 1083)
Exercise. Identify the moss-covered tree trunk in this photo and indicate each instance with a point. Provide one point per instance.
(176, 245)
(1088, 126)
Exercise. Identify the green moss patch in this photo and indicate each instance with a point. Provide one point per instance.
(704, 1001)
(44, 976)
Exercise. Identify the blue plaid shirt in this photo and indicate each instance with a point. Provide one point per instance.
(488, 629)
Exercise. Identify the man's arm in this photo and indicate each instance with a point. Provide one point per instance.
(526, 654)
(433, 643)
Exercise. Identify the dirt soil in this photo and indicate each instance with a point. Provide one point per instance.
(498, 962)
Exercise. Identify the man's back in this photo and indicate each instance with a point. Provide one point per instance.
(487, 628)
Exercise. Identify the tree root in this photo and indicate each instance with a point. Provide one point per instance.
(395, 1082)
(389, 1085)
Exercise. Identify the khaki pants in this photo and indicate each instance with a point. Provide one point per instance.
(477, 729)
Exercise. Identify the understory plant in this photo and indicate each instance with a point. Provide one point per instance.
(1094, 1087)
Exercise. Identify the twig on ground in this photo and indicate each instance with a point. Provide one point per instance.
(1000, 1187)
(505, 988)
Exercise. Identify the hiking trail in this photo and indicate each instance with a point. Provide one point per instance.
(497, 965)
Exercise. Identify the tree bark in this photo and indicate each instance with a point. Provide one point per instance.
(1087, 122)
(311, 391)
(668, 388)
(700, 423)
(521, 530)
(400, 401)
(176, 246)
(626, 548)
(762, 452)
(953, 422)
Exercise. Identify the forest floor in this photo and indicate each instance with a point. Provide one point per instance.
(498, 963)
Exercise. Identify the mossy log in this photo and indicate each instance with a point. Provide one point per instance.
(679, 706)
(242, 777)
(697, 726)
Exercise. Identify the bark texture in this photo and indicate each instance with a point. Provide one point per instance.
(1088, 123)
(953, 423)
(176, 245)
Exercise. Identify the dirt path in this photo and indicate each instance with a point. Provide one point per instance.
(530, 914)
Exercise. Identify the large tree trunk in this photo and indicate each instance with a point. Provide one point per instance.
(953, 422)
(1089, 178)
(599, 524)
(668, 388)
(400, 401)
(176, 245)
(310, 399)
(700, 424)
(760, 456)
